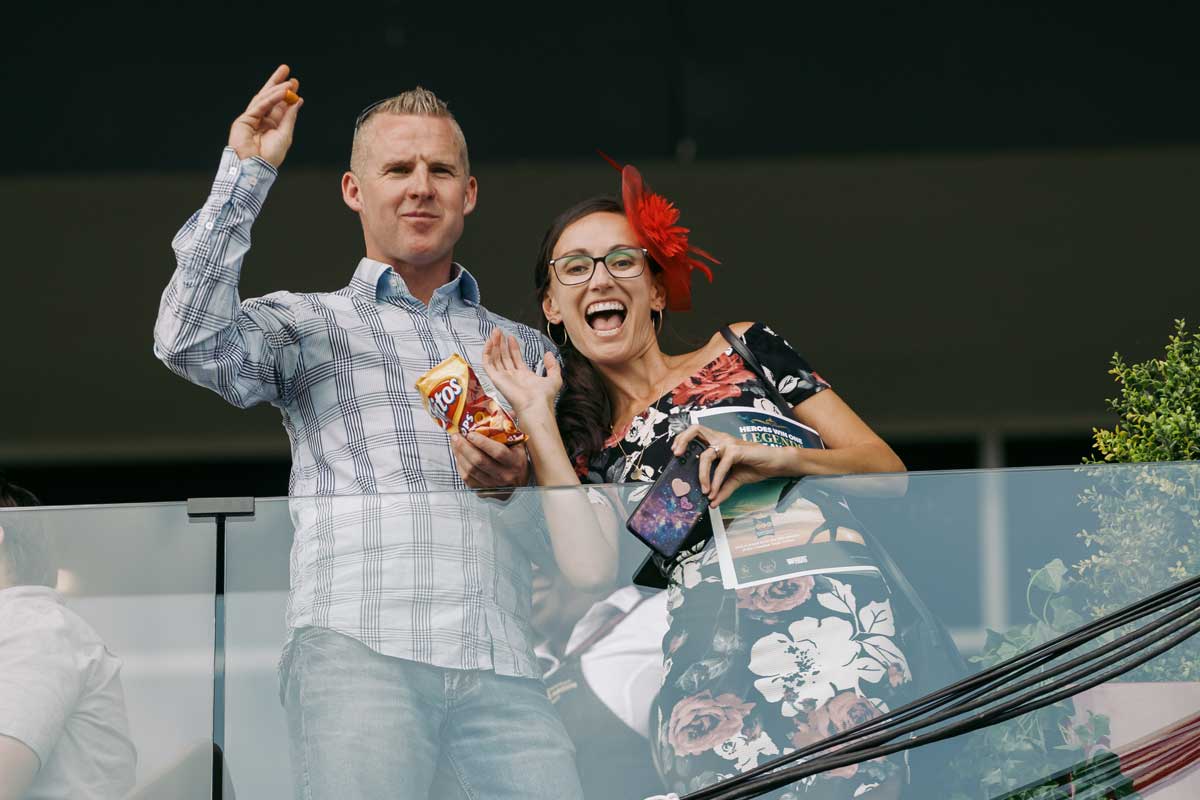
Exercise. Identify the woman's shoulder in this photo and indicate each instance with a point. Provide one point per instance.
(700, 361)
(755, 334)
(701, 357)
(740, 329)
(774, 352)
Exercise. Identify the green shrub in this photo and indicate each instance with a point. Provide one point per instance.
(1157, 406)
(1147, 535)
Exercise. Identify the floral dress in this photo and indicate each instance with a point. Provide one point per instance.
(753, 674)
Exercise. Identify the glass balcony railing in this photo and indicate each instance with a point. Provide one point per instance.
(801, 627)
(113, 690)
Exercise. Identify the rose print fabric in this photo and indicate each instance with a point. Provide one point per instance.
(753, 674)
(725, 381)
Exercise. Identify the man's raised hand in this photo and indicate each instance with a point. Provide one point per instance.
(265, 128)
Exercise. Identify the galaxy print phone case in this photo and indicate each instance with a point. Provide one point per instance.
(673, 506)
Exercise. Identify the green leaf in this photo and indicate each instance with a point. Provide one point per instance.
(1062, 616)
(1050, 577)
(993, 641)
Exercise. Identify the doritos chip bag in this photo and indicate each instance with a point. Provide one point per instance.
(456, 401)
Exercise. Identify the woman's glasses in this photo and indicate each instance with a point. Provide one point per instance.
(628, 262)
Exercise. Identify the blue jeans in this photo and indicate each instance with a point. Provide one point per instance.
(364, 726)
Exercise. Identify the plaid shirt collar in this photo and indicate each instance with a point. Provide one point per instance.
(379, 281)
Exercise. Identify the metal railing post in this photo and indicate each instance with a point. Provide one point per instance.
(219, 509)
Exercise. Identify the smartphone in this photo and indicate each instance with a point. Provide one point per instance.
(673, 506)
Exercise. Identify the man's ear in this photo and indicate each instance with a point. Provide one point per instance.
(550, 309)
(351, 195)
(471, 196)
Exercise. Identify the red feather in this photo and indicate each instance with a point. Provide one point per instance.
(654, 219)
(610, 160)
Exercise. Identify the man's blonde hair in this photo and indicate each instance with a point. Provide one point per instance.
(418, 102)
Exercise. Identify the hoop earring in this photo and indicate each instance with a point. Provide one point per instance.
(657, 316)
(565, 340)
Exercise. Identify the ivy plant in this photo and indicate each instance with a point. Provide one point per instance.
(1003, 759)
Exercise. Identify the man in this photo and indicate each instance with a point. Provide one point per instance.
(63, 727)
(409, 670)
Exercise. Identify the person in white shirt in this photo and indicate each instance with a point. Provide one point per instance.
(64, 734)
(602, 658)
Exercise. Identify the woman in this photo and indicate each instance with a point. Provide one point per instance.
(748, 676)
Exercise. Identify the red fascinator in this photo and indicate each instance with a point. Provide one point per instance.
(653, 218)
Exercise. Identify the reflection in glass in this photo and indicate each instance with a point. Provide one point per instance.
(602, 662)
(721, 677)
(64, 729)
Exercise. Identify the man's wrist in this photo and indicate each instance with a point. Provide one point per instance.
(234, 166)
(245, 181)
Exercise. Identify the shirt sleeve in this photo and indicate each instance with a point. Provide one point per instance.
(784, 367)
(204, 332)
(522, 518)
(40, 679)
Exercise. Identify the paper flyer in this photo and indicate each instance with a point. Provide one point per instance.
(756, 541)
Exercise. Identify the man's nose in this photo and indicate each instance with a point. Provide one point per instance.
(419, 183)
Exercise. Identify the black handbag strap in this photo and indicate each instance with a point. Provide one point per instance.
(739, 347)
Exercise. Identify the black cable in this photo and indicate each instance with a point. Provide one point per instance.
(1191, 609)
(989, 678)
(995, 716)
(999, 673)
(1014, 708)
(1062, 689)
(784, 777)
(875, 747)
(1078, 636)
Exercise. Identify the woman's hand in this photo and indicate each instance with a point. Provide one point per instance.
(737, 462)
(528, 393)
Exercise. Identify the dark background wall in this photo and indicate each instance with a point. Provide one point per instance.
(956, 214)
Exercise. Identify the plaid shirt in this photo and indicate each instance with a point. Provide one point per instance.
(427, 577)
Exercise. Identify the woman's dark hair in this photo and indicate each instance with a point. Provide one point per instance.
(13, 496)
(584, 413)
(25, 551)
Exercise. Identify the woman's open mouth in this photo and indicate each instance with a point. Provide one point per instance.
(605, 317)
